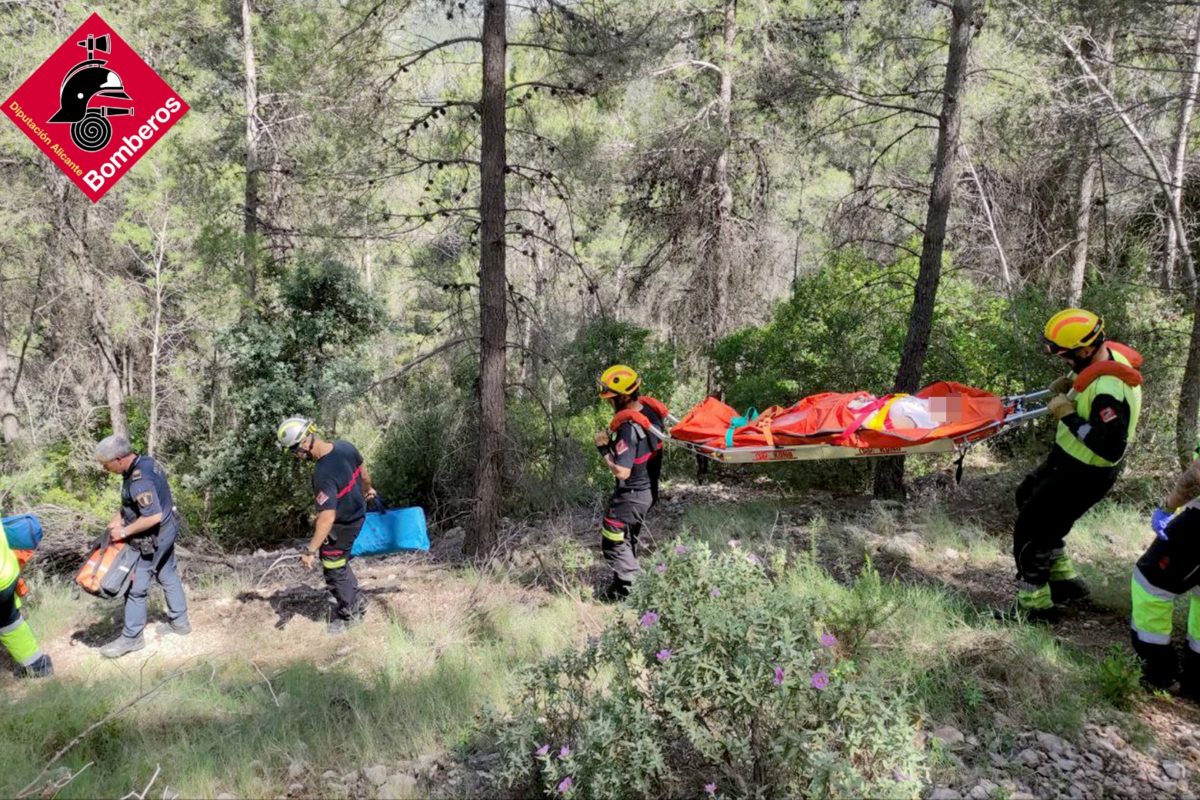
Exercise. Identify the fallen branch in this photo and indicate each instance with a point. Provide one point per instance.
(276, 563)
(134, 795)
(66, 748)
(267, 680)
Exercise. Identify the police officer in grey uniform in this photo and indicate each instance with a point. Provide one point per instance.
(149, 523)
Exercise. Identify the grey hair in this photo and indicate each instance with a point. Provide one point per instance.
(112, 447)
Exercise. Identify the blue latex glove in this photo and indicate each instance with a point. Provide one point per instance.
(1159, 520)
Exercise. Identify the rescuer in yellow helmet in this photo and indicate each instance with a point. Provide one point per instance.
(1097, 407)
(630, 449)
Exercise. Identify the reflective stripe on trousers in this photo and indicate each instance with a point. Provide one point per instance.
(1152, 610)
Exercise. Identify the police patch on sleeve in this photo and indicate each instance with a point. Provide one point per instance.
(145, 499)
(621, 447)
(1107, 415)
(322, 498)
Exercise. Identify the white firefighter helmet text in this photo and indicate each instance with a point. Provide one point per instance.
(96, 178)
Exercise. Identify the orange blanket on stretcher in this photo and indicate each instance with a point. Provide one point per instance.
(939, 411)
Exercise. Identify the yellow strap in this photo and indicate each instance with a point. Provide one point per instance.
(334, 564)
(611, 535)
(878, 420)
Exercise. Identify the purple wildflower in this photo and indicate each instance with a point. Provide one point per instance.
(543, 750)
(565, 752)
(565, 784)
(663, 655)
(661, 568)
(648, 619)
(680, 549)
(828, 640)
(820, 680)
(710, 788)
(714, 592)
(899, 776)
(779, 676)
(754, 559)
(734, 544)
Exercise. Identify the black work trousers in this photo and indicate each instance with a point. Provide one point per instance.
(620, 529)
(335, 561)
(1050, 501)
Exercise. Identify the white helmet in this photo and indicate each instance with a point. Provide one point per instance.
(292, 432)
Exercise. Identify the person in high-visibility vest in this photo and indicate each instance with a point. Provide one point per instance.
(1097, 407)
(15, 634)
(1170, 567)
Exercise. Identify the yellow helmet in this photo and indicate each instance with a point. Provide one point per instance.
(1072, 328)
(619, 379)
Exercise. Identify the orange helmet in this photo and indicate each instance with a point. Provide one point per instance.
(618, 379)
(1071, 329)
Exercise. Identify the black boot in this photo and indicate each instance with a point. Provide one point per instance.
(1068, 591)
(1189, 679)
(615, 592)
(1160, 667)
(42, 668)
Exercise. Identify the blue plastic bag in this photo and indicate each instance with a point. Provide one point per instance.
(396, 531)
(24, 531)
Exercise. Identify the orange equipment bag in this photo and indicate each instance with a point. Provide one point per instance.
(23, 558)
(109, 569)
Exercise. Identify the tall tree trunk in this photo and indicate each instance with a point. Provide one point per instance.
(109, 364)
(250, 229)
(720, 248)
(160, 254)
(1189, 395)
(493, 285)
(889, 474)
(10, 423)
(1089, 166)
(1179, 166)
(110, 368)
(1085, 192)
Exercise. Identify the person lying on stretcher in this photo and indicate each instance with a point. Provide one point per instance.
(899, 412)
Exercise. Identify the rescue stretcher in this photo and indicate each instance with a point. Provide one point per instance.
(944, 417)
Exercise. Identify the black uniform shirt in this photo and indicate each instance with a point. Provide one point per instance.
(337, 484)
(144, 492)
(631, 448)
(1106, 429)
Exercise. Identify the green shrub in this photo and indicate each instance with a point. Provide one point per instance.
(605, 342)
(297, 355)
(1118, 678)
(722, 676)
(425, 457)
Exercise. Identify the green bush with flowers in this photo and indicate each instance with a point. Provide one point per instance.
(718, 680)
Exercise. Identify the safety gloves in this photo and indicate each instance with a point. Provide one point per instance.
(1061, 385)
(1061, 406)
(1159, 521)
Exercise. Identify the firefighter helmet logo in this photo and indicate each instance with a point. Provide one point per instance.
(88, 80)
(79, 107)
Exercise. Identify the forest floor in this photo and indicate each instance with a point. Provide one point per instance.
(259, 701)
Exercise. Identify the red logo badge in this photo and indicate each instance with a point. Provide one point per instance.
(94, 107)
(622, 448)
(322, 498)
(1107, 415)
